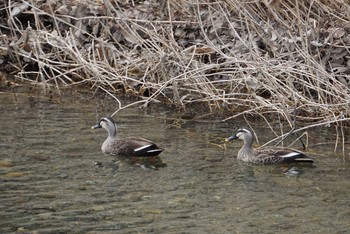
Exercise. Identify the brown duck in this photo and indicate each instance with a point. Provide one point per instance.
(130, 146)
(266, 155)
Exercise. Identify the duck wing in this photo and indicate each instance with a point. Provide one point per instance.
(281, 155)
(138, 147)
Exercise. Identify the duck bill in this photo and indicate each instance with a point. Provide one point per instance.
(96, 126)
(233, 137)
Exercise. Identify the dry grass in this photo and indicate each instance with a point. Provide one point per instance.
(288, 58)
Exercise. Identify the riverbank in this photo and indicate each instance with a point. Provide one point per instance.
(289, 60)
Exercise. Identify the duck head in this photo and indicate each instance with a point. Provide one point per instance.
(108, 124)
(242, 134)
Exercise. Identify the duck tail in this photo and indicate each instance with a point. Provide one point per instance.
(304, 160)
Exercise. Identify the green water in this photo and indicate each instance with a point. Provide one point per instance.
(50, 182)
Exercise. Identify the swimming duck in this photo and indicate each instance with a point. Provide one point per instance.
(130, 146)
(266, 155)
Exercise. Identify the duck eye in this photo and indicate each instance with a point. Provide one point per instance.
(103, 120)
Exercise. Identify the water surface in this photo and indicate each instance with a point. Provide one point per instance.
(55, 179)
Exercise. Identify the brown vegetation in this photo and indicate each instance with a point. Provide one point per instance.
(289, 58)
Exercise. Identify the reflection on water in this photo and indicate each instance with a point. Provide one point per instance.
(54, 178)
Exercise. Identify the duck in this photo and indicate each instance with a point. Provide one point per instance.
(129, 147)
(266, 155)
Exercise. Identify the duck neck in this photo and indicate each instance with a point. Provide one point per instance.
(247, 146)
(112, 132)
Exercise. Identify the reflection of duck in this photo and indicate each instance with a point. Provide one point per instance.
(154, 162)
(265, 155)
(130, 146)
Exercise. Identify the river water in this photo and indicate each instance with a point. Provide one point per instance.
(55, 179)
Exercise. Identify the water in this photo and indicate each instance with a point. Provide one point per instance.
(54, 178)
